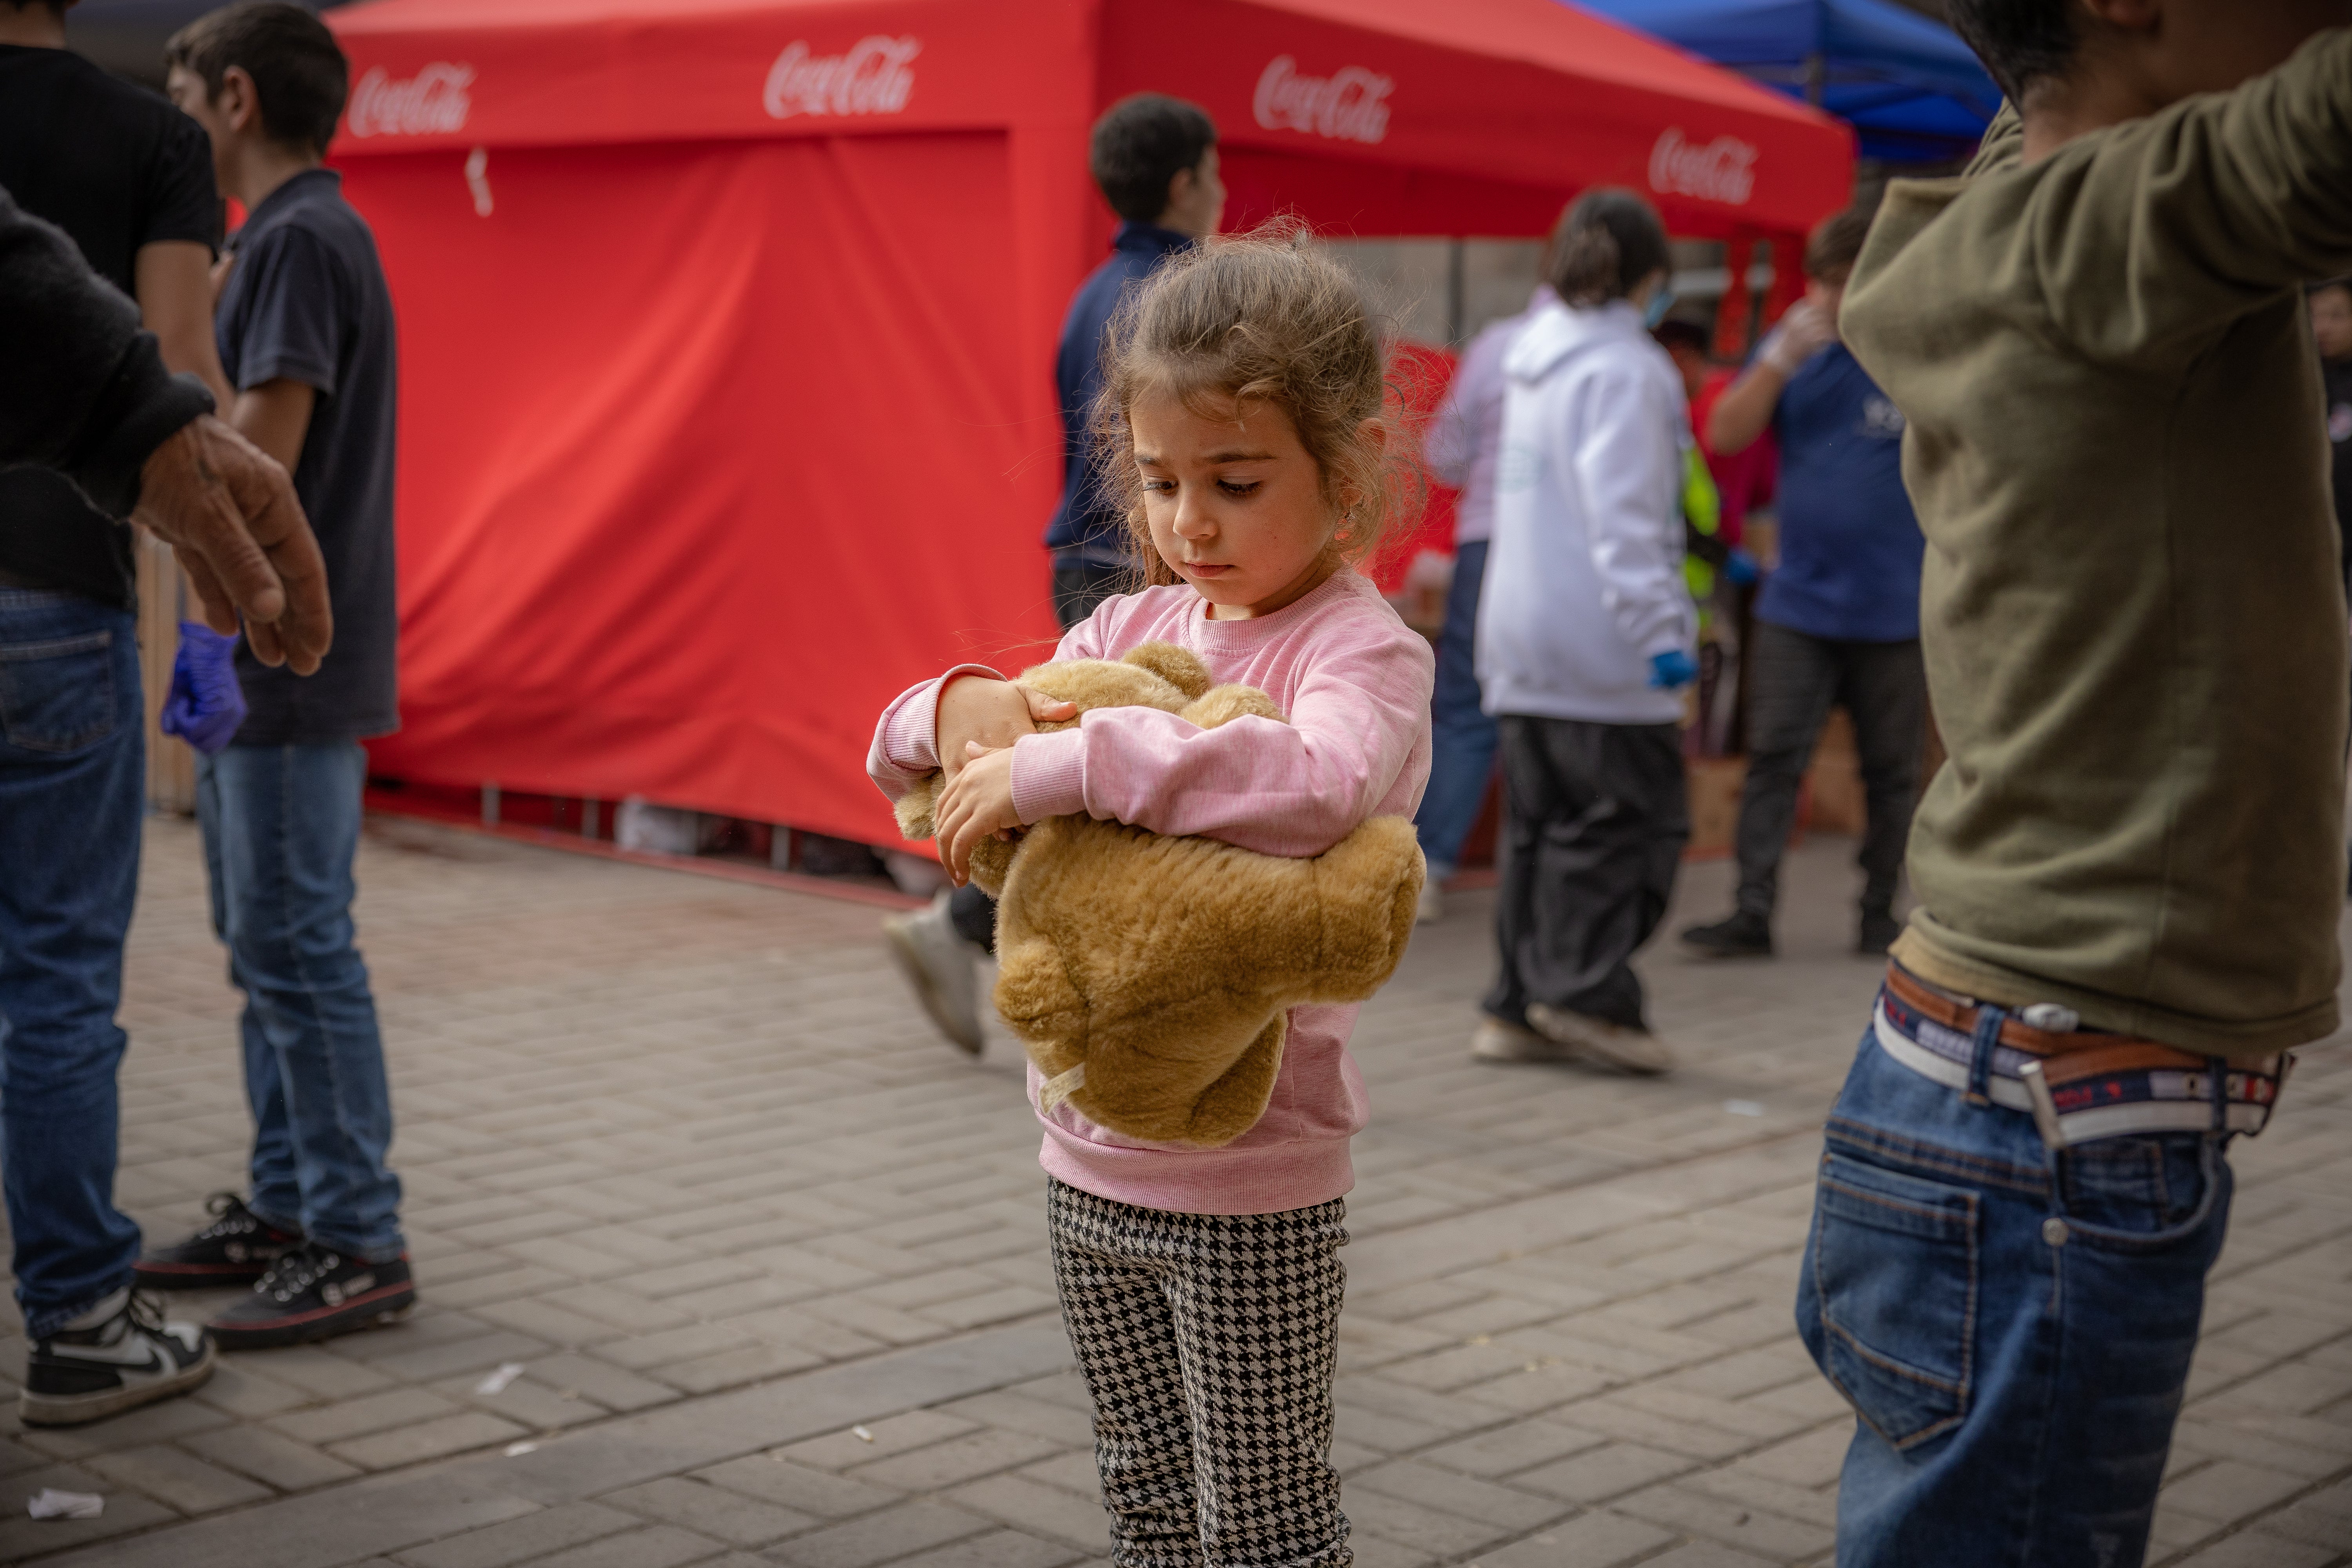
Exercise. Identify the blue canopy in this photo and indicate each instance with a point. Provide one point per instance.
(1911, 89)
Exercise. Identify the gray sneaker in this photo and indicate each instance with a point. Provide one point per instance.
(944, 970)
(1598, 1040)
(117, 1356)
(1498, 1040)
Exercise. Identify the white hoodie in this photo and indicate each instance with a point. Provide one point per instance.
(1584, 580)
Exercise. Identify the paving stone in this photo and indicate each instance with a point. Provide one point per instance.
(268, 1457)
(427, 1440)
(797, 1487)
(998, 1549)
(728, 1515)
(1587, 1540)
(884, 1537)
(520, 1540)
(660, 1546)
(357, 1418)
(1030, 1505)
(958, 1459)
(1599, 1474)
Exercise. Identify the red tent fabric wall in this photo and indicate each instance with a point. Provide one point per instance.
(727, 325)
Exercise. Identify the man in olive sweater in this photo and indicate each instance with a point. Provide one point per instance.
(2129, 873)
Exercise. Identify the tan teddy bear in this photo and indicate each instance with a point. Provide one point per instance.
(1148, 976)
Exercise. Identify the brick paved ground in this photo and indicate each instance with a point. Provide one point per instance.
(773, 1263)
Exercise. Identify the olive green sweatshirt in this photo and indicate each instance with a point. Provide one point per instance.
(2130, 607)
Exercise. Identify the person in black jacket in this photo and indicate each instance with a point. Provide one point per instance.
(84, 392)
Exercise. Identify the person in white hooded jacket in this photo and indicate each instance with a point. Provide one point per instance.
(1586, 636)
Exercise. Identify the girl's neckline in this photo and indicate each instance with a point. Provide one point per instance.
(1207, 626)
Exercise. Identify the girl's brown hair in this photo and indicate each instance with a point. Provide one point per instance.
(1263, 317)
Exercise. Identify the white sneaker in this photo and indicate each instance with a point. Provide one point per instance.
(1500, 1041)
(1599, 1040)
(944, 970)
(117, 1356)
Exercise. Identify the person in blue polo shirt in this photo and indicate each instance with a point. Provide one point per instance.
(1838, 622)
(1155, 160)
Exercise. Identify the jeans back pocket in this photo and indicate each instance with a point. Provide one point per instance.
(58, 695)
(1895, 1267)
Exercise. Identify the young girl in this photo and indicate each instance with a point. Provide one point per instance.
(1243, 407)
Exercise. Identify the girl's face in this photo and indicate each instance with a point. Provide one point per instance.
(1235, 505)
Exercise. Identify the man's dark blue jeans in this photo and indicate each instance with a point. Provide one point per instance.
(72, 773)
(281, 824)
(2012, 1328)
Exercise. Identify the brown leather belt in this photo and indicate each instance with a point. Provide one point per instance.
(2079, 1084)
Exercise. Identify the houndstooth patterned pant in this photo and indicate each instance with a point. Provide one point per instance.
(1208, 1343)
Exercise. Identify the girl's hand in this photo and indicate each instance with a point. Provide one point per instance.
(977, 802)
(974, 711)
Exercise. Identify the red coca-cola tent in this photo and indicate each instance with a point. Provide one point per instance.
(727, 325)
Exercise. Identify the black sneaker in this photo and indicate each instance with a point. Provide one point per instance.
(236, 1248)
(1879, 930)
(130, 1357)
(1744, 935)
(314, 1293)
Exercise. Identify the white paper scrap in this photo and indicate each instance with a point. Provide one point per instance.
(517, 1450)
(51, 1503)
(1744, 1107)
(496, 1382)
(861, 1433)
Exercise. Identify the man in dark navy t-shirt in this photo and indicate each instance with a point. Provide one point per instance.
(1837, 622)
(1155, 160)
(306, 337)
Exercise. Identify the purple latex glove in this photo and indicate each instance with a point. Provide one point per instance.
(205, 705)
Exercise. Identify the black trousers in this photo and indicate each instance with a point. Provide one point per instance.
(1594, 820)
(1076, 590)
(1794, 681)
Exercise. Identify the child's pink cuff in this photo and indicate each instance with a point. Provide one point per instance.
(1049, 775)
(910, 734)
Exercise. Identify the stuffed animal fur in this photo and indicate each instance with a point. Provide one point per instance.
(1148, 976)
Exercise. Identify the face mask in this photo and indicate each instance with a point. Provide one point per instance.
(1660, 304)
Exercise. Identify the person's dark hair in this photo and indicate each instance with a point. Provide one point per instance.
(1262, 317)
(1140, 144)
(2326, 285)
(1836, 241)
(299, 71)
(2019, 41)
(1677, 331)
(1607, 242)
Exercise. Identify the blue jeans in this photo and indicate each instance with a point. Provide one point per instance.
(1461, 735)
(2012, 1328)
(73, 765)
(281, 824)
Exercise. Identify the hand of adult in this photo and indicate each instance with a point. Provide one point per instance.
(975, 711)
(1803, 332)
(229, 513)
(976, 803)
(1672, 670)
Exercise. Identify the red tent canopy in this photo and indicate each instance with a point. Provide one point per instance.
(727, 325)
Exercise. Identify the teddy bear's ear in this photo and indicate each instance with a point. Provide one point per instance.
(1180, 668)
(914, 807)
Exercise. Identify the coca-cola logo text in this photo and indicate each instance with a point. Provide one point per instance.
(872, 78)
(1723, 170)
(433, 102)
(1350, 105)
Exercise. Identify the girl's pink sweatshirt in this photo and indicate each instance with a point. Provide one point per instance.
(1355, 682)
